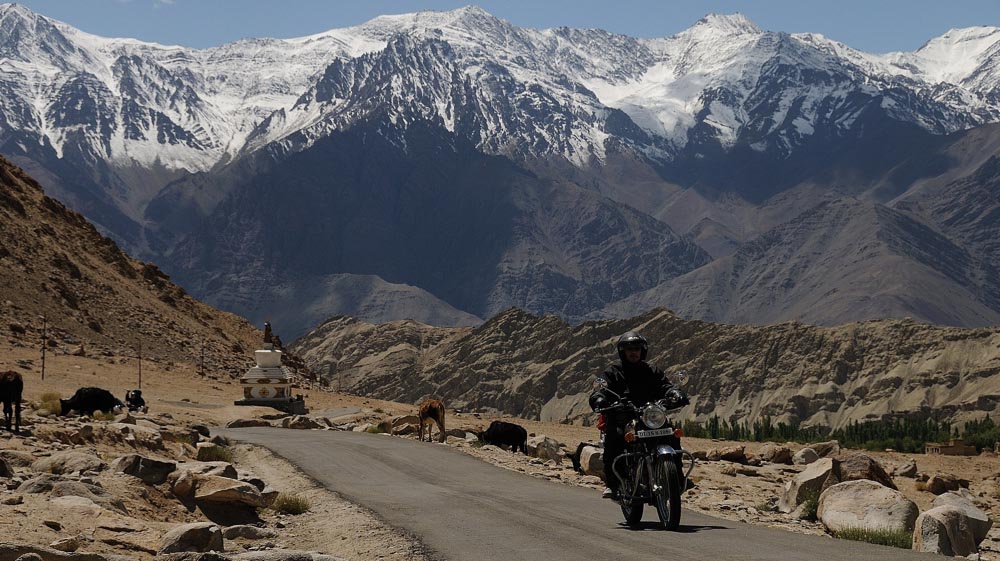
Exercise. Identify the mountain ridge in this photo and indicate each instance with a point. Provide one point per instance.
(539, 367)
(717, 135)
(457, 28)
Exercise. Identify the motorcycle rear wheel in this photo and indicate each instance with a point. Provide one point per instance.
(668, 495)
(632, 508)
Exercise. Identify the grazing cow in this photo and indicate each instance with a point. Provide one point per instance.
(431, 410)
(575, 456)
(87, 400)
(501, 433)
(11, 387)
(135, 402)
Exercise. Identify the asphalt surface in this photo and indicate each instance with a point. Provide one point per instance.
(464, 509)
(336, 412)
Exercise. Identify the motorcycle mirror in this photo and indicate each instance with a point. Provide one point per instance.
(602, 384)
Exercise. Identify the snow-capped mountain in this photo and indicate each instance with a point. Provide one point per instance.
(723, 80)
(188, 108)
(169, 148)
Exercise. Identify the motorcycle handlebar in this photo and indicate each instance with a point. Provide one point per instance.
(625, 404)
(668, 405)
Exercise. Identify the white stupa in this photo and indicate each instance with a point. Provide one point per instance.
(269, 383)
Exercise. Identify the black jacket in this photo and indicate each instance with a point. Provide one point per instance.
(640, 383)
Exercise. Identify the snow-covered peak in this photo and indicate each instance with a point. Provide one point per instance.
(437, 18)
(30, 39)
(727, 24)
(716, 78)
(470, 19)
(18, 10)
(954, 56)
(17, 27)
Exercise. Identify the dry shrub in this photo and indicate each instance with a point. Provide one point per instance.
(217, 454)
(50, 402)
(287, 503)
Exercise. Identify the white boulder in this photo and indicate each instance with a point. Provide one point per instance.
(944, 530)
(812, 481)
(863, 503)
(979, 522)
(544, 448)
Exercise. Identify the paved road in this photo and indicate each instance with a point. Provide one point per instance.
(464, 509)
(190, 404)
(336, 412)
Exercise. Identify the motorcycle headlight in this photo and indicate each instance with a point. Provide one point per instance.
(654, 416)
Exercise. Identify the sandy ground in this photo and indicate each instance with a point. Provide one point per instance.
(337, 527)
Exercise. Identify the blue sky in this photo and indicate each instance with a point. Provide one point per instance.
(871, 25)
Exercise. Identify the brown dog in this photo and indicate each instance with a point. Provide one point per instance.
(432, 410)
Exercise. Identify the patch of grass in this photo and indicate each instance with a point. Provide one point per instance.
(286, 503)
(767, 506)
(102, 416)
(379, 410)
(881, 536)
(217, 454)
(921, 485)
(50, 402)
(375, 429)
(810, 505)
(184, 438)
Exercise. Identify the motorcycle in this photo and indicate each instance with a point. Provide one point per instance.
(651, 467)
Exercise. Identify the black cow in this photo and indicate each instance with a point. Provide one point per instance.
(87, 400)
(501, 433)
(11, 387)
(575, 457)
(134, 401)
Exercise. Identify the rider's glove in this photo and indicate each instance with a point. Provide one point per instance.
(599, 401)
(676, 398)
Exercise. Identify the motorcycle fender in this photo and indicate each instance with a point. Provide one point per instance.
(665, 450)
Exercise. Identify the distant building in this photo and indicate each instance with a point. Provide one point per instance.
(954, 447)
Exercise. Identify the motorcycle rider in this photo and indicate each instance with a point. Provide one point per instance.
(635, 380)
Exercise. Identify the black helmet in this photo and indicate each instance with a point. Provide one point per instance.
(632, 339)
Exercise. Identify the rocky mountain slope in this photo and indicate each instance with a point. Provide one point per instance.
(542, 368)
(93, 297)
(481, 165)
(408, 215)
(842, 260)
(968, 209)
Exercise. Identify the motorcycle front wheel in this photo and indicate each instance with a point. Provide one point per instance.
(632, 508)
(667, 497)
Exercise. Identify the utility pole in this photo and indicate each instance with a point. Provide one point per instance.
(45, 343)
(140, 364)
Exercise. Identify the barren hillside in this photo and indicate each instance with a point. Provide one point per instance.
(93, 297)
(541, 367)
